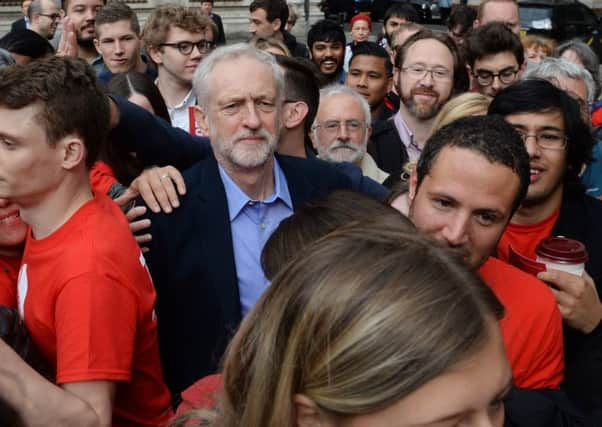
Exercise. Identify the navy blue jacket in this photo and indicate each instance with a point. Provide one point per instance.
(191, 261)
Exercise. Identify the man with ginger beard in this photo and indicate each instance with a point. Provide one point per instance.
(430, 71)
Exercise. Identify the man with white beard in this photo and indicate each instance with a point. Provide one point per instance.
(342, 128)
(205, 256)
(430, 71)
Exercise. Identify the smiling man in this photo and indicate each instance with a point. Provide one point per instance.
(118, 41)
(559, 143)
(326, 41)
(371, 75)
(177, 39)
(430, 71)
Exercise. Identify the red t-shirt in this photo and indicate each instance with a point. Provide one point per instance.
(9, 271)
(87, 300)
(525, 238)
(531, 327)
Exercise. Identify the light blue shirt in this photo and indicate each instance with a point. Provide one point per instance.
(252, 222)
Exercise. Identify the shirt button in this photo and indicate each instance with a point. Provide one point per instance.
(251, 203)
(262, 226)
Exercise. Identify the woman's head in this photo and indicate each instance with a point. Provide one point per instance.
(141, 90)
(362, 320)
(271, 45)
(537, 47)
(464, 105)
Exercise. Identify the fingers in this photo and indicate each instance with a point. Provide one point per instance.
(157, 188)
(128, 195)
(563, 281)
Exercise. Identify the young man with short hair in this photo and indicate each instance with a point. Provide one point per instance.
(326, 42)
(207, 9)
(494, 58)
(371, 75)
(118, 41)
(177, 39)
(559, 143)
(471, 177)
(396, 14)
(268, 19)
(80, 260)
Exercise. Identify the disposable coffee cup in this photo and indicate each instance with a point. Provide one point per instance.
(560, 253)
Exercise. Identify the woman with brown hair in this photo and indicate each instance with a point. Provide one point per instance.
(369, 326)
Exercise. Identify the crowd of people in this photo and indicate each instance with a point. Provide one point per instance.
(272, 233)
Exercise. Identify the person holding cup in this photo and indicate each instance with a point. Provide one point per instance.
(559, 143)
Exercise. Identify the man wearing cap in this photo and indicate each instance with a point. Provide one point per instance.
(559, 143)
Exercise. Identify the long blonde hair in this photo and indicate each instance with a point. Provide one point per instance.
(364, 317)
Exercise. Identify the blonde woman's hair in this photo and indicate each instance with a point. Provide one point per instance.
(360, 319)
(463, 105)
(266, 43)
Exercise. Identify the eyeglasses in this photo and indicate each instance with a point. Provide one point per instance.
(546, 139)
(53, 16)
(506, 76)
(333, 126)
(185, 48)
(420, 71)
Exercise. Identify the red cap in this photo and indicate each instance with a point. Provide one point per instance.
(562, 250)
(361, 17)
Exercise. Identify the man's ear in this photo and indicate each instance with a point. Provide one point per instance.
(73, 151)
(154, 54)
(413, 187)
(201, 119)
(96, 45)
(307, 413)
(295, 114)
(390, 84)
(276, 23)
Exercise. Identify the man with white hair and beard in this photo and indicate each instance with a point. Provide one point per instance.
(342, 128)
(205, 256)
(430, 71)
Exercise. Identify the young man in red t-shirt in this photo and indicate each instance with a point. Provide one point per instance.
(463, 192)
(83, 290)
(558, 140)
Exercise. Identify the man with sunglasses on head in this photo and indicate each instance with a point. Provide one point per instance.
(494, 58)
(177, 39)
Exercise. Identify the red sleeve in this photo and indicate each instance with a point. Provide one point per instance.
(102, 177)
(8, 284)
(201, 395)
(95, 322)
(543, 363)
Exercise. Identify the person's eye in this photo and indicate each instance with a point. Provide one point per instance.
(331, 125)
(230, 108)
(507, 73)
(184, 45)
(354, 73)
(374, 76)
(440, 73)
(549, 137)
(266, 106)
(442, 203)
(486, 218)
(353, 125)
(7, 143)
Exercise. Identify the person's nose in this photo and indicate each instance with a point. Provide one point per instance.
(455, 232)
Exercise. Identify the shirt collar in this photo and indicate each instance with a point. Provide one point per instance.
(238, 199)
